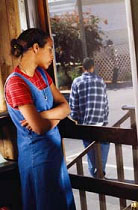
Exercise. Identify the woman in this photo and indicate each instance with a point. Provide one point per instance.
(36, 107)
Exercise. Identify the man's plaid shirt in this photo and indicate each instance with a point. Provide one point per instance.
(88, 99)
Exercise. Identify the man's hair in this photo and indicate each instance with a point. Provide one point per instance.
(88, 63)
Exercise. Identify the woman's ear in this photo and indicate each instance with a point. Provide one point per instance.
(35, 47)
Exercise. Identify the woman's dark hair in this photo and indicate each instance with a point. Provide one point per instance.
(26, 40)
(88, 63)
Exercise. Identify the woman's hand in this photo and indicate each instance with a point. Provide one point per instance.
(61, 109)
(24, 123)
(34, 121)
(46, 120)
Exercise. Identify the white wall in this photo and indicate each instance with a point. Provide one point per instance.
(112, 11)
(115, 14)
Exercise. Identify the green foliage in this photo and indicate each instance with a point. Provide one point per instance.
(65, 78)
(76, 72)
(68, 44)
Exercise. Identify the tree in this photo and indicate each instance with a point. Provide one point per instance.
(68, 45)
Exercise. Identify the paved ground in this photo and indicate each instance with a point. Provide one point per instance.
(117, 98)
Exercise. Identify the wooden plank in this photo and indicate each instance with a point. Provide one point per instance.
(8, 144)
(134, 148)
(120, 170)
(5, 58)
(120, 121)
(43, 15)
(44, 19)
(13, 24)
(102, 202)
(82, 193)
(134, 9)
(135, 162)
(9, 28)
(4, 114)
(2, 99)
(107, 187)
(97, 148)
(8, 166)
(4, 120)
(128, 208)
(85, 151)
(132, 22)
(69, 129)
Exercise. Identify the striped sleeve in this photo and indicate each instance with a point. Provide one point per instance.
(17, 92)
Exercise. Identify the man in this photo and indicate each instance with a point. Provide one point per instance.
(89, 105)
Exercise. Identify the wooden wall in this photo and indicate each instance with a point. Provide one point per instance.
(9, 28)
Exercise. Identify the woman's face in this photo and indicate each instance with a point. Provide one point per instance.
(45, 55)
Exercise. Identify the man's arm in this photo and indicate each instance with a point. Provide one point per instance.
(106, 103)
(74, 102)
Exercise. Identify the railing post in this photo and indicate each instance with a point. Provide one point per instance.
(83, 201)
(120, 169)
(134, 148)
(100, 173)
(97, 148)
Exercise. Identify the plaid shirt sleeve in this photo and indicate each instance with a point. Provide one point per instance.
(74, 102)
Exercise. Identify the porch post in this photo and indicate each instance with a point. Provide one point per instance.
(132, 20)
(9, 28)
(44, 20)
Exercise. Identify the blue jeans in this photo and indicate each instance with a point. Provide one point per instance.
(91, 157)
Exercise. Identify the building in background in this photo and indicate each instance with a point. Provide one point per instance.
(111, 13)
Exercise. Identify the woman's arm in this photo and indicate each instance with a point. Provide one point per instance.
(61, 109)
(34, 121)
(46, 120)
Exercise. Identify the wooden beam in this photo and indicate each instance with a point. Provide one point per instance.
(2, 100)
(9, 28)
(44, 21)
(5, 58)
(107, 187)
(8, 143)
(69, 129)
(43, 15)
(132, 22)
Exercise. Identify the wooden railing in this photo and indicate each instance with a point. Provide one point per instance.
(119, 136)
(119, 188)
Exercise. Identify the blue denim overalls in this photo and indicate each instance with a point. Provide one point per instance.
(44, 177)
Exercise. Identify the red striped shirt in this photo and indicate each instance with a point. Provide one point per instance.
(18, 92)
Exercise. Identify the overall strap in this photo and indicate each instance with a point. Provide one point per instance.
(16, 74)
(43, 75)
(25, 79)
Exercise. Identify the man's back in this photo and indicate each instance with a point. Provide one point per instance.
(88, 99)
(89, 105)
